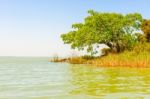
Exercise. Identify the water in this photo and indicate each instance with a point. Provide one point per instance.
(36, 78)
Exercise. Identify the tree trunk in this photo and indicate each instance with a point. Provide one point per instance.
(115, 48)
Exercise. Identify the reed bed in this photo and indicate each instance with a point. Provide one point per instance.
(139, 57)
(126, 59)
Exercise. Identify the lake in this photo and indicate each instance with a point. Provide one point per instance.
(36, 78)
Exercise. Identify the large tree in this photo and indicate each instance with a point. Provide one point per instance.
(113, 29)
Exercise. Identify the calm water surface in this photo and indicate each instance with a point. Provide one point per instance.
(36, 78)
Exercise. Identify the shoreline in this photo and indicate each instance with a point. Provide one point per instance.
(125, 59)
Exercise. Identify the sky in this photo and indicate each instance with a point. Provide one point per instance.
(33, 27)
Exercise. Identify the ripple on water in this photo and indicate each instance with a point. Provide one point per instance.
(35, 78)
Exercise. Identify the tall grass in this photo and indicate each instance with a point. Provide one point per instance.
(138, 57)
(126, 59)
(77, 60)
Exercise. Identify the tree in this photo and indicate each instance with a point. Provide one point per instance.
(113, 29)
(146, 29)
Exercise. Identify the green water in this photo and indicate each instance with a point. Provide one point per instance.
(36, 78)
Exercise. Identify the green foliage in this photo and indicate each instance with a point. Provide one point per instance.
(141, 47)
(112, 29)
(146, 29)
(140, 37)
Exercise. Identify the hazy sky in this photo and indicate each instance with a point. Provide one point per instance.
(33, 27)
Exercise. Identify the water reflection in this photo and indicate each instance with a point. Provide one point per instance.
(121, 83)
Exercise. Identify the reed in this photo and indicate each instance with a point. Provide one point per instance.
(58, 59)
(77, 60)
(126, 59)
(138, 57)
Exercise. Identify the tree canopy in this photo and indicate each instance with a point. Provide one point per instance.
(113, 29)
